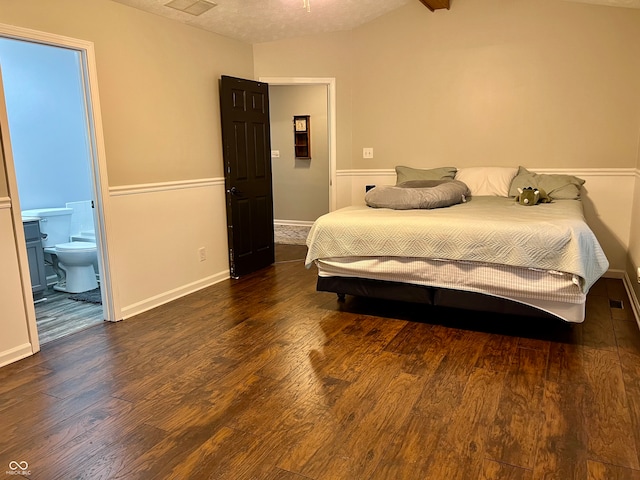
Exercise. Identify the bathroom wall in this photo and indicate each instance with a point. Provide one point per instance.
(45, 106)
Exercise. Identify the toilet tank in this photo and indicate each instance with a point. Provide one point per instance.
(55, 223)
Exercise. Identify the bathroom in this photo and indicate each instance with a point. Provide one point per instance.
(49, 134)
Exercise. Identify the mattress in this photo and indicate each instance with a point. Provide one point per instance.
(487, 230)
(500, 280)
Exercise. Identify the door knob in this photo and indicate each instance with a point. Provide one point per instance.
(234, 191)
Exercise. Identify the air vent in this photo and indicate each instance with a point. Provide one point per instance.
(615, 303)
(191, 7)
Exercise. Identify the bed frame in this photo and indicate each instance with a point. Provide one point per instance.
(437, 296)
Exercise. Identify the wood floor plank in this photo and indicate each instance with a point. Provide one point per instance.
(631, 376)
(461, 449)
(500, 471)
(603, 471)
(357, 408)
(497, 353)
(519, 414)
(566, 364)
(597, 329)
(609, 427)
(73, 439)
(363, 447)
(561, 449)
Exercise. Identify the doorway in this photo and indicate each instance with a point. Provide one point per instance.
(304, 188)
(54, 166)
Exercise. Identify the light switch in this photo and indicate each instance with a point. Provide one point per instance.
(367, 152)
(275, 153)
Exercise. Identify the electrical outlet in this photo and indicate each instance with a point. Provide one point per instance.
(367, 152)
(275, 153)
(202, 253)
(638, 274)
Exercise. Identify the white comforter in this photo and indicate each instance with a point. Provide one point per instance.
(496, 230)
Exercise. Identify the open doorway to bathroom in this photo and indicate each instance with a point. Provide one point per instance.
(46, 104)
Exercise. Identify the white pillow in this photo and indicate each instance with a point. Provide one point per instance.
(487, 180)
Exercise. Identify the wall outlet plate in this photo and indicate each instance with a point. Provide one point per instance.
(367, 152)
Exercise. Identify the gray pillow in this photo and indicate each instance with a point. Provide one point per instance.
(559, 187)
(401, 198)
(422, 183)
(404, 174)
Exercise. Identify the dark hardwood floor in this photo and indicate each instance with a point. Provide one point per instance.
(265, 378)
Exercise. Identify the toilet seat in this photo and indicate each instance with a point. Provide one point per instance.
(75, 246)
(71, 247)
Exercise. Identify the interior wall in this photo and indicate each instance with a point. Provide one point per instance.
(499, 82)
(47, 118)
(315, 56)
(488, 82)
(300, 186)
(158, 83)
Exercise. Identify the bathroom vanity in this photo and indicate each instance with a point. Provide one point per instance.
(35, 254)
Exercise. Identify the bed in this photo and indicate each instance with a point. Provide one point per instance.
(487, 253)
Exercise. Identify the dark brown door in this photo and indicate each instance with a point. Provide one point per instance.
(246, 142)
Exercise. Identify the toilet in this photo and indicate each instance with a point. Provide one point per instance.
(72, 261)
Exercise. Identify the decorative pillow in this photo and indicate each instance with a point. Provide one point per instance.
(558, 187)
(401, 198)
(493, 181)
(404, 174)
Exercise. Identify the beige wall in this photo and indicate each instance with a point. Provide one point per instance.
(321, 56)
(158, 83)
(300, 186)
(540, 83)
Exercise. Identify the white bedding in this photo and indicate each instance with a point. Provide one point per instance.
(490, 230)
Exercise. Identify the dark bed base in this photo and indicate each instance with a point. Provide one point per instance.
(442, 297)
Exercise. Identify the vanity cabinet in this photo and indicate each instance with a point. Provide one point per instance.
(35, 254)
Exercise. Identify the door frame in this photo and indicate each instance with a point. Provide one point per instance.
(330, 83)
(88, 70)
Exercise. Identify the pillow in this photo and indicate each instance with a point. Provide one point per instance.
(404, 174)
(559, 187)
(399, 198)
(487, 180)
(422, 183)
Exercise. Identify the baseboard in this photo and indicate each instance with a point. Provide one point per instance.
(166, 297)
(15, 354)
(293, 223)
(633, 299)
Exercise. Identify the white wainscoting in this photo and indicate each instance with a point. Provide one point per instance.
(157, 230)
(607, 198)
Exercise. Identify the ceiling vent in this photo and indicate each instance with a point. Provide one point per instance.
(192, 7)
(436, 4)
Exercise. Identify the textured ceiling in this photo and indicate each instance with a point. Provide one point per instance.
(255, 21)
